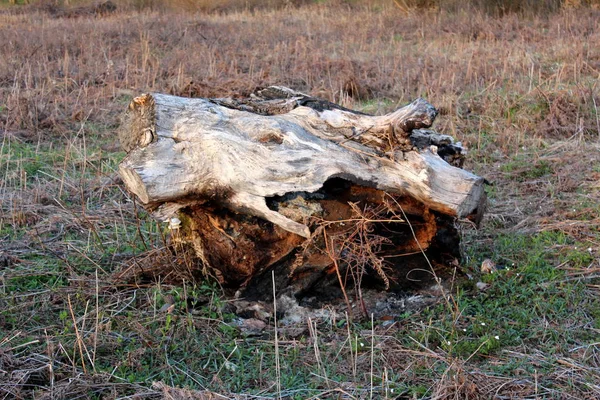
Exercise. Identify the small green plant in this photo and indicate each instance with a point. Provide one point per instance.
(522, 169)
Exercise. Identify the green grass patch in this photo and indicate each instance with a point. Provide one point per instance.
(524, 169)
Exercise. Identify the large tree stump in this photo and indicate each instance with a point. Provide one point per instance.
(288, 182)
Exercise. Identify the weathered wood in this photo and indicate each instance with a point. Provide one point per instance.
(189, 150)
(225, 167)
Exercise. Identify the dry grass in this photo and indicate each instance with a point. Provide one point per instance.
(70, 70)
(521, 92)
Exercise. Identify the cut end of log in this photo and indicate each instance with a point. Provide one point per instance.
(134, 183)
(138, 127)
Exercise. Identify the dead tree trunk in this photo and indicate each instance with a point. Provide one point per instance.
(287, 181)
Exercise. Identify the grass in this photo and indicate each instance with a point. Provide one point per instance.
(519, 91)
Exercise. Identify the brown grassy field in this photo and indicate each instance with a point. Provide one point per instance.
(521, 92)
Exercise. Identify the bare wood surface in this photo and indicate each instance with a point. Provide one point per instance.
(186, 151)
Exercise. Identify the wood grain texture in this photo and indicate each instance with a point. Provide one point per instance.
(185, 151)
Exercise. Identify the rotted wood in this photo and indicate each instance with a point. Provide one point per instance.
(287, 181)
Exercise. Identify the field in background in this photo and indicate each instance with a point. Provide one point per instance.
(522, 92)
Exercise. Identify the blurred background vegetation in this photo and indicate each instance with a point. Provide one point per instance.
(493, 7)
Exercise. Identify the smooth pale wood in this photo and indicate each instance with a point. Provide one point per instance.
(185, 151)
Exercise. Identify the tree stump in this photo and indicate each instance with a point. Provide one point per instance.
(323, 195)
